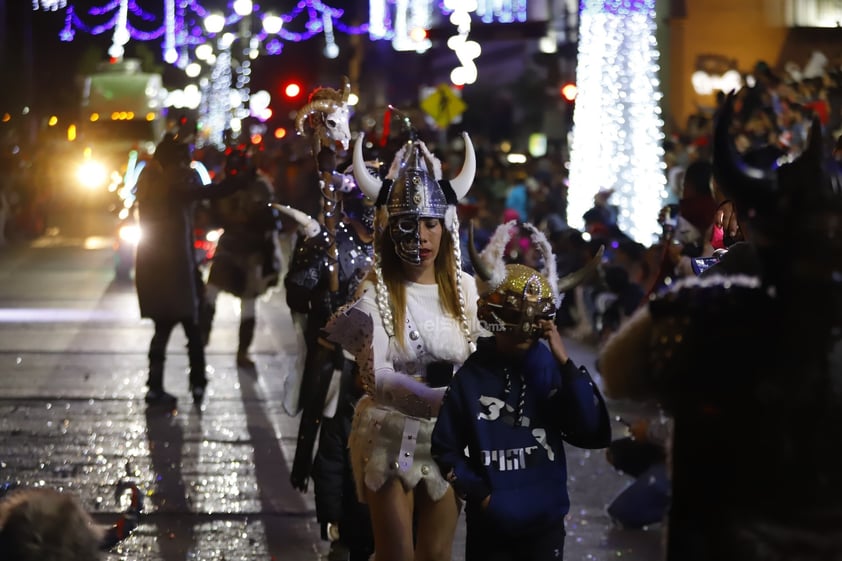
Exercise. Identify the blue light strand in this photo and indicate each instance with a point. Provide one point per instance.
(617, 7)
(93, 30)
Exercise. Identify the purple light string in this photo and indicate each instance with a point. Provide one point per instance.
(193, 35)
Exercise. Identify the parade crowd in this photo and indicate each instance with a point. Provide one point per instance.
(434, 290)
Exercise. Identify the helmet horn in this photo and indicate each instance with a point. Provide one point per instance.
(479, 265)
(346, 89)
(462, 182)
(309, 225)
(576, 278)
(367, 184)
(731, 171)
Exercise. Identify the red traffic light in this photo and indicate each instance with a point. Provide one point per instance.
(569, 91)
(292, 90)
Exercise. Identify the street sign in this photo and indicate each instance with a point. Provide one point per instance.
(443, 105)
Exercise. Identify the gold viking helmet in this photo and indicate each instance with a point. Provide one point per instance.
(513, 297)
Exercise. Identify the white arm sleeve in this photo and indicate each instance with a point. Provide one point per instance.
(391, 387)
(405, 393)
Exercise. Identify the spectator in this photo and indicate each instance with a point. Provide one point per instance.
(45, 525)
(517, 195)
(169, 286)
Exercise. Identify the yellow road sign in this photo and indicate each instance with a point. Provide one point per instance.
(443, 105)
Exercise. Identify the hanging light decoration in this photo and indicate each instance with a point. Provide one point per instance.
(121, 34)
(404, 22)
(466, 51)
(49, 5)
(617, 126)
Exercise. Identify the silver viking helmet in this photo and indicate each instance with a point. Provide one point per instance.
(413, 189)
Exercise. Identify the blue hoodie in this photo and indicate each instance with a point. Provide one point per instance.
(512, 414)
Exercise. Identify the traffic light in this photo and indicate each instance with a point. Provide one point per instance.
(292, 89)
(569, 91)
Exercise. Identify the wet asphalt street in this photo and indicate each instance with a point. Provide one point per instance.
(216, 479)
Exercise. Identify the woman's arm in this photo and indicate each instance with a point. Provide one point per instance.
(392, 387)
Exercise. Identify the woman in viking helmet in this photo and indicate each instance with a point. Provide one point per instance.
(512, 404)
(414, 321)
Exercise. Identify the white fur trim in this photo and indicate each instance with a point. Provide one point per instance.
(431, 161)
(492, 256)
(550, 271)
(451, 221)
(432, 164)
(396, 163)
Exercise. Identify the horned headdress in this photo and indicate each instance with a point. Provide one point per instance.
(414, 189)
(513, 297)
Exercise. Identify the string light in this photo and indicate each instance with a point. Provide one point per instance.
(465, 51)
(218, 99)
(121, 35)
(410, 17)
(170, 52)
(503, 11)
(386, 18)
(49, 5)
(617, 126)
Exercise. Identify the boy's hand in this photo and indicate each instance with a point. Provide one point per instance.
(550, 333)
(485, 502)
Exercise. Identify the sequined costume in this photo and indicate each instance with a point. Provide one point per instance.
(306, 280)
(328, 414)
(309, 297)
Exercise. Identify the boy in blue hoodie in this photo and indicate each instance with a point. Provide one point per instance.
(512, 404)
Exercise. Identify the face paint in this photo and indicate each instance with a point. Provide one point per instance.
(405, 234)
